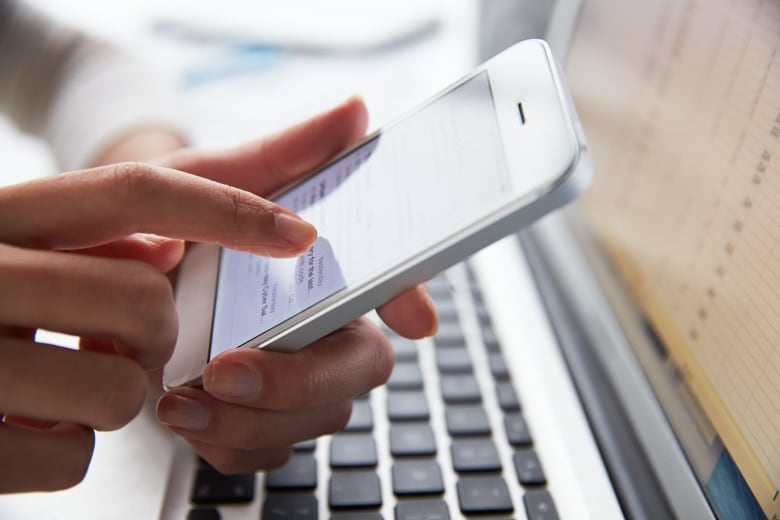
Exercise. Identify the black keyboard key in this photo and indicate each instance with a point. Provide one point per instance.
(466, 419)
(356, 516)
(433, 509)
(447, 311)
(474, 287)
(362, 418)
(483, 315)
(204, 513)
(290, 506)
(498, 366)
(454, 360)
(212, 487)
(475, 455)
(439, 288)
(300, 472)
(405, 376)
(539, 505)
(449, 335)
(354, 489)
(417, 477)
(407, 406)
(517, 430)
(484, 494)
(528, 468)
(489, 337)
(507, 397)
(411, 439)
(352, 450)
(460, 389)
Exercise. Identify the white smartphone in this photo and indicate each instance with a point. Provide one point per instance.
(482, 159)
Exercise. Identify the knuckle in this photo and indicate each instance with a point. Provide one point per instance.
(382, 359)
(133, 180)
(121, 400)
(269, 163)
(152, 296)
(240, 203)
(255, 435)
(377, 353)
(308, 388)
(243, 209)
(370, 365)
(297, 395)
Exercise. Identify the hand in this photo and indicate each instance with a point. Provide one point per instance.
(266, 165)
(255, 404)
(71, 260)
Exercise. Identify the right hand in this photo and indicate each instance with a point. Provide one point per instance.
(73, 259)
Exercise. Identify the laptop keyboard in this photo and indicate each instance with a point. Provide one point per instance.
(444, 438)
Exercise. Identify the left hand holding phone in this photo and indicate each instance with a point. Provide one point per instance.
(255, 404)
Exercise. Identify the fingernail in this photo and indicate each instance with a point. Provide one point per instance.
(294, 230)
(230, 380)
(182, 412)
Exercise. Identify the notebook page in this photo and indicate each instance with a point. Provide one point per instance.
(681, 104)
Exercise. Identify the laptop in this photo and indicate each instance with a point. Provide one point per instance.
(618, 359)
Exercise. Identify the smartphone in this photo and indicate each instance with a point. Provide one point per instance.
(487, 156)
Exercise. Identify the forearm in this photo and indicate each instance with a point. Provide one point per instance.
(91, 103)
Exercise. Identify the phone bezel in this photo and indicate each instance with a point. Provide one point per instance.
(545, 177)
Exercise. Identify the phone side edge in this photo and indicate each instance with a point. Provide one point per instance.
(198, 275)
(571, 184)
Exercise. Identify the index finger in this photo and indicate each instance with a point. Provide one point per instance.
(92, 207)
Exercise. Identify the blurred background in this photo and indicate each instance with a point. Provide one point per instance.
(244, 68)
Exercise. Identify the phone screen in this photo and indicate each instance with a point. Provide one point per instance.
(411, 186)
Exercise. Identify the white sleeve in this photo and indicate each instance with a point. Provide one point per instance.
(75, 92)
